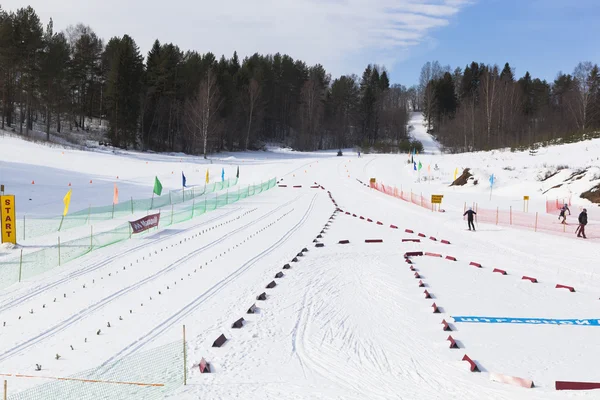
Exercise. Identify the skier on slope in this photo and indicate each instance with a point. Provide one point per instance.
(582, 223)
(563, 215)
(469, 213)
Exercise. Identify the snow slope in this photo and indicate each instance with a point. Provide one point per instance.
(346, 321)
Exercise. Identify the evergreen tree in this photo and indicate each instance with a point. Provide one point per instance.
(124, 90)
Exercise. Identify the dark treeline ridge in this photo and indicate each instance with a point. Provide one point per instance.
(483, 107)
(174, 100)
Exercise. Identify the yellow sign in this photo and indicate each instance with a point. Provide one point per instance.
(525, 197)
(436, 198)
(9, 222)
(373, 180)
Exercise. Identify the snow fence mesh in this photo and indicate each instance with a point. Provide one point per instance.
(147, 375)
(41, 261)
(536, 222)
(34, 227)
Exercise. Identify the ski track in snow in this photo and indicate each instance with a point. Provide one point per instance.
(346, 321)
(103, 302)
(95, 266)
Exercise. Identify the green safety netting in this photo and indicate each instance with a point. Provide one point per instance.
(31, 227)
(121, 379)
(41, 261)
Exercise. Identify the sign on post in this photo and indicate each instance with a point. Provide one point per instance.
(436, 198)
(9, 221)
(143, 224)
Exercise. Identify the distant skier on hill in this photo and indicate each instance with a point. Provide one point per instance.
(582, 223)
(469, 213)
(563, 215)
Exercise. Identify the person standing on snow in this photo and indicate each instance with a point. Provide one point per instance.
(582, 223)
(469, 213)
(563, 215)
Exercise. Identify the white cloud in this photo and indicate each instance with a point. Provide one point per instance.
(343, 35)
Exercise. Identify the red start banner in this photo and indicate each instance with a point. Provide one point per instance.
(143, 224)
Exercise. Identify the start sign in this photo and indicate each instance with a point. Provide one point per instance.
(9, 222)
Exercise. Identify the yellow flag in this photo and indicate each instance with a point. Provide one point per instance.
(455, 173)
(206, 175)
(67, 201)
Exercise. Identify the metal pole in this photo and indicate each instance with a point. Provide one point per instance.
(132, 204)
(113, 212)
(20, 265)
(184, 359)
(91, 237)
(23, 226)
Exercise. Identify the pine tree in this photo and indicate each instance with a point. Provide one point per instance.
(124, 90)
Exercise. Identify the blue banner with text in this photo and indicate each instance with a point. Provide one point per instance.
(530, 321)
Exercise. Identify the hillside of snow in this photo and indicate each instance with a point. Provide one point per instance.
(343, 315)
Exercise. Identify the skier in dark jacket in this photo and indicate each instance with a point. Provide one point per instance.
(563, 214)
(582, 223)
(469, 213)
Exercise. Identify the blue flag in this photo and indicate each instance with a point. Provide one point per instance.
(415, 165)
(223, 174)
(492, 180)
(183, 180)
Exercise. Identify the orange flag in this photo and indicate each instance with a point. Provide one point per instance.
(116, 195)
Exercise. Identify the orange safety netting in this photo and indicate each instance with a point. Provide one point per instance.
(534, 221)
(411, 197)
(552, 206)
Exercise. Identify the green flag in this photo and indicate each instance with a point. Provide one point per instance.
(420, 165)
(238, 172)
(157, 186)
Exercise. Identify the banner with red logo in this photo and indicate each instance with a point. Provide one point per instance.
(143, 224)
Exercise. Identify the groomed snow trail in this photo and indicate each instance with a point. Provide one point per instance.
(346, 321)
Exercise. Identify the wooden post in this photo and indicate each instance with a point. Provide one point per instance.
(5, 389)
(511, 215)
(184, 359)
(536, 219)
(497, 212)
(20, 265)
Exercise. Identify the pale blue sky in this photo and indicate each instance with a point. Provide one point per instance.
(542, 36)
(539, 36)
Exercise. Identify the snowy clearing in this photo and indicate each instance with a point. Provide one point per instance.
(344, 320)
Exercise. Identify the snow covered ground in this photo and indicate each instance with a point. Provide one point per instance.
(346, 321)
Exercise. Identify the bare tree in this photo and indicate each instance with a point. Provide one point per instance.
(489, 80)
(201, 109)
(581, 103)
(429, 72)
